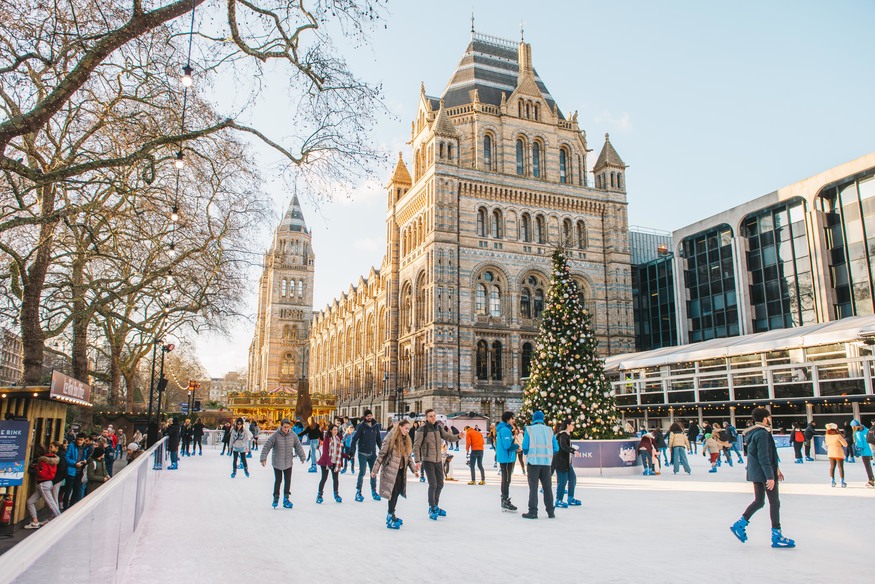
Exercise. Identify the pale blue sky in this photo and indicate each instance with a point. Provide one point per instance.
(709, 103)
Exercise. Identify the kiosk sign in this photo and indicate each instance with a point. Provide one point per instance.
(70, 390)
(13, 451)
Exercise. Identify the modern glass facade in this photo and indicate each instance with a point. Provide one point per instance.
(709, 278)
(653, 304)
(646, 245)
(779, 266)
(849, 214)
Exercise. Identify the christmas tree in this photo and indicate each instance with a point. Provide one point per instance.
(567, 375)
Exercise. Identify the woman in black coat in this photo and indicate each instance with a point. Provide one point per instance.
(564, 467)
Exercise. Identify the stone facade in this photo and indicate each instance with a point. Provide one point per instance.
(11, 359)
(278, 352)
(450, 319)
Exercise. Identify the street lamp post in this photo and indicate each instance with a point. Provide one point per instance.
(162, 383)
(152, 428)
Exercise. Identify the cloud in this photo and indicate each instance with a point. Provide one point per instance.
(368, 244)
(622, 121)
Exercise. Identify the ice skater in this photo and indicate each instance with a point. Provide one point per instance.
(240, 440)
(564, 468)
(506, 448)
(763, 472)
(392, 463)
(474, 452)
(313, 434)
(835, 450)
(427, 453)
(864, 449)
(539, 446)
(331, 461)
(226, 439)
(679, 444)
(366, 442)
(285, 446)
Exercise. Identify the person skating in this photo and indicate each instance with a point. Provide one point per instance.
(285, 445)
(679, 444)
(254, 431)
(187, 434)
(693, 437)
(564, 467)
(835, 450)
(313, 434)
(474, 452)
(172, 432)
(506, 454)
(226, 439)
(197, 437)
(659, 442)
(331, 461)
(714, 445)
(240, 441)
(539, 446)
(731, 434)
(366, 442)
(348, 457)
(392, 463)
(763, 472)
(863, 449)
(797, 438)
(809, 438)
(645, 450)
(427, 454)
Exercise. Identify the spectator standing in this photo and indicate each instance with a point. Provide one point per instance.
(197, 438)
(539, 446)
(474, 451)
(809, 434)
(44, 467)
(506, 448)
(95, 470)
(77, 456)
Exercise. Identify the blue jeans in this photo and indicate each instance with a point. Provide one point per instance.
(174, 456)
(314, 446)
(679, 457)
(734, 448)
(477, 459)
(366, 461)
(646, 459)
(664, 452)
(563, 478)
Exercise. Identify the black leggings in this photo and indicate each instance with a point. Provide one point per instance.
(797, 449)
(278, 476)
(242, 458)
(334, 478)
(506, 475)
(833, 462)
(867, 464)
(397, 488)
(760, 492)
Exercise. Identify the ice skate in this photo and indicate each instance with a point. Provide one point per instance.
(375, 496)
(359, 497)
(276, 501)
(287, 504)
(337, 498)
(779, 541)
(507, 506)
(739, 529)
(574, 502)
(529, 515)
(393, 522)
(560, 504)
(432, 513)
(319, 499)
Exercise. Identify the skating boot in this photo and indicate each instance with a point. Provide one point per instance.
(739, 529)
(174, 466)
(276, 501)
(809, 459)
(337, 498)
(358, 496)
(832, 482)
(312, 468)
(343, 471)
(508, 507)
(393, 522)
(234, 474)
(440, 512)
(422, 478)
(248, 455)
(375, 495)
(713, 469)
(287, 504)
(844, 484)
(319, 499)
(246, 471)
(741, 460)
(798, 461)
(530, 515)
(730, 462)
(560, 504)
(432, 513)
(574, 502)
(779, 541)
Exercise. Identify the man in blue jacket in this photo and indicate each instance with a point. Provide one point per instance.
(539, 446)
(505, 454)
(763, 472)
(76, 456)
(368, 440)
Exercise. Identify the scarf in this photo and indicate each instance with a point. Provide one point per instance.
(335, 450)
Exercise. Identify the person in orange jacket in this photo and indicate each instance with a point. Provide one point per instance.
(474, 449)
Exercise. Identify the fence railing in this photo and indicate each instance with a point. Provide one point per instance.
(93, 540)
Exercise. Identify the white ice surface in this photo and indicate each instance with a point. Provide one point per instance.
(206, 527)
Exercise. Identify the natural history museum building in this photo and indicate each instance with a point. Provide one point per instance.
(497, 179)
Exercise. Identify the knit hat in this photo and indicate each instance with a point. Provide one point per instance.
(133, 446)
(239, 421)
(285, 421)
(832, 426)
(367, 413)
(98, 452)
(855, 423)
(538, 417)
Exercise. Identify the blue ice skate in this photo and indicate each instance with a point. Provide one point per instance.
(276, 501)
(739, 529)
(359, 497)
(779, 541)
(287, 504)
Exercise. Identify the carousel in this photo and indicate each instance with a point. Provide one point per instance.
(269, 407)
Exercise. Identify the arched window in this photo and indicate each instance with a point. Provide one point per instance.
(526, 228)
(537, 112)
(563, 166)
(612, 180)
(495, 361)
(487, 152)
(406, 308)
(480, 306)
(567, 235)
(540, 229)
(450, 151)
(495, 301)
(496, 224)
(536, 160)
(482, 363)
(348, 348)
(581, 293)
(287, 368)
(519, 108)
(481, 222)
(539, 303)
(528, 111)
(619, 180)
(420, 301)
(526, 303)
(286, 332)
(285, 286)
(300, 288)
(526, 360)
(581, 235)
(520, 163)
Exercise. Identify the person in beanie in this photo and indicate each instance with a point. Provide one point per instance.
(763, 472)
(173, 433)
(427, 454)
(95, 470)
(506, 453)
(285, 446)
(241, 439)
(197, 435)
(539, 446)
(392, 464)
(366, 441)
(226, 439)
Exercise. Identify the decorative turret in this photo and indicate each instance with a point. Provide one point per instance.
(609, 169)
(400, 182)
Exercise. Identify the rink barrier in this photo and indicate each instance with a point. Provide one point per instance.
(94, 539)
(606, 457)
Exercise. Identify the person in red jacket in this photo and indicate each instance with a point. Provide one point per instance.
(474, 449)
(45, 465)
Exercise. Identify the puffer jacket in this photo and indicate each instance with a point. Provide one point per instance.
(427, 446)
(678, 439)
(46, 467)
(562, 458)
(389, 463)
(240, 439)
(505, 446)
(834, 444)
(762, 455)
(863, 447)
(284, 447)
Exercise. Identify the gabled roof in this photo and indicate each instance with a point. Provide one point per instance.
(608, 156)
(401, 176)
(293, 220)
(442, 126)
(491, 66)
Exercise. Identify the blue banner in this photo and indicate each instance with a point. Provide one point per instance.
(13, 452)
(605, 453)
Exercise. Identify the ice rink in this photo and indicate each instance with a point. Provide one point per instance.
(212, 528)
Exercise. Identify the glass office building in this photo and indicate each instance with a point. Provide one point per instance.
(654, 304)
(709, 280)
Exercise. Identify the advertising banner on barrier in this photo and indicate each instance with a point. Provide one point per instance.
(13, 452)
(605, 453)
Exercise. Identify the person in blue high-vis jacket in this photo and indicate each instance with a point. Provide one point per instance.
(539, 446)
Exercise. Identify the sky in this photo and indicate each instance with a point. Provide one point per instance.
(710, 104)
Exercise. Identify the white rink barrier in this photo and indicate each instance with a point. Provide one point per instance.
(93, 540)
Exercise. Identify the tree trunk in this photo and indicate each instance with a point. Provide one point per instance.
(32, 283)
(81, 318)
(115, 377)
